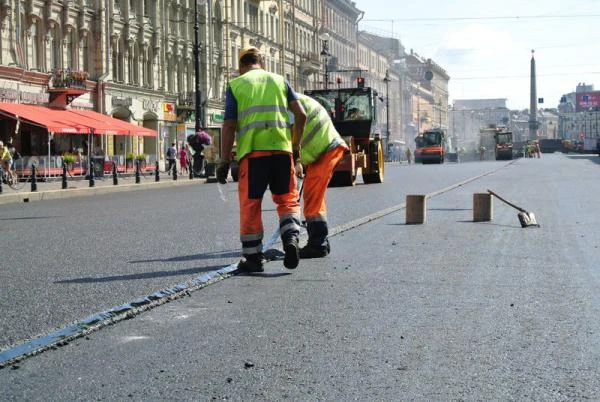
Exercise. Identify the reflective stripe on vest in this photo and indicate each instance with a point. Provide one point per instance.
(262, 122)
(319, 133)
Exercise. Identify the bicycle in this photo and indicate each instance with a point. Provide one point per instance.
(12, 180)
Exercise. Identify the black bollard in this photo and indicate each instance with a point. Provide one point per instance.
(191, 168)
(1, 178)
(64, 176)
(114, 173)
(33, 178)
(175, 171)
(156, 172)
(92, 182)
(137, 171)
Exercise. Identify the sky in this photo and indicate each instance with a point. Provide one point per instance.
(485, 46)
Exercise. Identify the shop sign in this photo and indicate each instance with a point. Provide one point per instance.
(124, 102)
(34, 98)
(169, 112)
(217, 117)
(150, 104)
(9, 94)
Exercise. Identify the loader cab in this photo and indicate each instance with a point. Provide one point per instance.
(352, 110)
(353, 114)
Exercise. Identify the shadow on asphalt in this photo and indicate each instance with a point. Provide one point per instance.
(145, 275)
(263, 274)
(31, 218)
(469, 221)
(491, 224)
(449, 209)
(192, 257)
(590, 157)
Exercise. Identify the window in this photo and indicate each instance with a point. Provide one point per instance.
(56, 54)
(85, 53)
(253, 18)
(35, 47)
(71, 50)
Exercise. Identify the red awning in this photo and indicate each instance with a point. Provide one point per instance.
(72, 121)
(124, 127)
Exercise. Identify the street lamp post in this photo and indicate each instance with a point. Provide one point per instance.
(386, 79)
(198, 106)
(418, 107)
(325, 54)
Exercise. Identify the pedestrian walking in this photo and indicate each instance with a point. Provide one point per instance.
(183, 159)
(321, 149)
(171, 157)
(256, 105)
(408, 156)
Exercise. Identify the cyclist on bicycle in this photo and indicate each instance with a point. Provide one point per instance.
(6, 158)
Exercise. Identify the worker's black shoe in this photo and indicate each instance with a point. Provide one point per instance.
(309, 251)
(251, 263)
(291, 259)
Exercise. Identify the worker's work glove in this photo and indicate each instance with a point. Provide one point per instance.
(222, 171)
(299, 169)
(297, 164)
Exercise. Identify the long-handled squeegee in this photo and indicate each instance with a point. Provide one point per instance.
(526, 218)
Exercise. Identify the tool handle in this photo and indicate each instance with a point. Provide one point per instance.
(507, 202)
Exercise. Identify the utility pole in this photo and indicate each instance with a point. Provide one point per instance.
(198, 106)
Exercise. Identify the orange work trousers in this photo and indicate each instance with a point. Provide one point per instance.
(260, 170)
(316, 180)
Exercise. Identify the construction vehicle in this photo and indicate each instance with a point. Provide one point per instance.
(430, 146)
(550, 145)
(487, 140)
(353, 112)
(504, 144)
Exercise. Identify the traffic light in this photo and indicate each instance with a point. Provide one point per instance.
(360, 82)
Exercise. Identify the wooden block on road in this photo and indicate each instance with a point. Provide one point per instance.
(416, 209)
(482, 207)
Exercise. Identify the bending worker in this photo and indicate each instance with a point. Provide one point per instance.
(322, 148)
(256, 105)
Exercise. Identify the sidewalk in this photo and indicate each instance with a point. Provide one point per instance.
(51, 188)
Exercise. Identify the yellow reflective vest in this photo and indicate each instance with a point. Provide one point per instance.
(262, 121)
(319, 134)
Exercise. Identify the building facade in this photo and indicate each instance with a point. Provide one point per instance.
(579, 116)
(137, 61)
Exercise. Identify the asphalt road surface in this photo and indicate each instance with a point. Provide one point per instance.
(447, 310)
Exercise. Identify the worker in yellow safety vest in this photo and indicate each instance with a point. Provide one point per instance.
(256, 106)
(322, 148)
